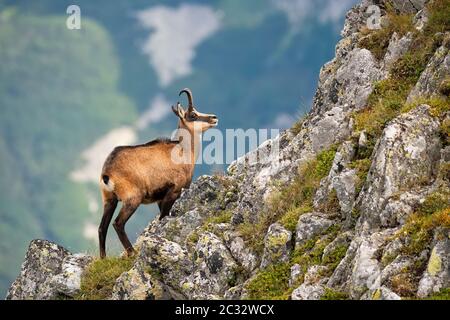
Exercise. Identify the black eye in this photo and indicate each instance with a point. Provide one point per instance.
(194, 116)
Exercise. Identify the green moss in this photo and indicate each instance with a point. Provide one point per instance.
(98, 279)
(333, 259)
(155, 273)
(439, 105)
(436, 201)
(290, 218)
(271, 283)
(310, 253)
(221, 217)
(324, 162)
(388, 259)
(331, 294)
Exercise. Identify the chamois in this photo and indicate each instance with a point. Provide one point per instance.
(153, 172)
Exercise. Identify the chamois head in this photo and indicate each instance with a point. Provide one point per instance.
(191, 119)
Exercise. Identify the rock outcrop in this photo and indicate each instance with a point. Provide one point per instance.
(374, 226)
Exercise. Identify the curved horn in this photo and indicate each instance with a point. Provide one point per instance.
(189, 96)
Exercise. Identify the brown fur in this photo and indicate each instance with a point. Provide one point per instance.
(146, 174)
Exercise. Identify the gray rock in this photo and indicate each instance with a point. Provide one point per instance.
(240, 252)
(366, 268)
(344, 184)
(421, 19)
(357, 77)
(396, 211)
(409, 6)
(277, 245)
(356, 18)
(315, 274)
(340, 179)
(43, 261)
(166, 258)
(362, 140)
(396, 267)
(136, 284)
(431, 78)
(342, 240)
(68, 282)
(308, 292)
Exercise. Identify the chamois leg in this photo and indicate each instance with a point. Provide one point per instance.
(128, 208)
(167, 203)
(109, 205)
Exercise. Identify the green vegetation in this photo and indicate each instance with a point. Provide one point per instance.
(273, 282)
(286, 207)
(221, 217)
(388, 98)
(98, 279)
(290, 202)
(331, 294)
(377, 41)
(290, 218)
(444, 294)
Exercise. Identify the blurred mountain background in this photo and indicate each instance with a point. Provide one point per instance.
(67, 97)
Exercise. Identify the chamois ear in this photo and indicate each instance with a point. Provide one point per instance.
(178, 110)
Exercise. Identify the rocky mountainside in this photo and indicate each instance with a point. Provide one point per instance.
(355, 206)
